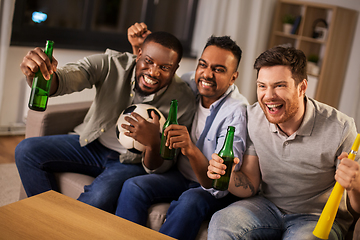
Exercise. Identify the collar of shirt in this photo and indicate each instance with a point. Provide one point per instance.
(217, 102)
(138, 98)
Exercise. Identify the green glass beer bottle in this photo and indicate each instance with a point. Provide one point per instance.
(165, 152)
(41, 87)
(227, 154)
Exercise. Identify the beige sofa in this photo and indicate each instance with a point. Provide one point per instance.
(60, 119)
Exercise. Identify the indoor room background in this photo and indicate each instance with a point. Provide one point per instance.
(248, 22)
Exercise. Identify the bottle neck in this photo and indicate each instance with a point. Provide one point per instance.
(227, 149)
(49, 49)
(173, 112)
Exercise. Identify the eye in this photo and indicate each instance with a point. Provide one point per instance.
(219, 70)
(202, 65)
(260, 85)
(148, 61)
(165, 68)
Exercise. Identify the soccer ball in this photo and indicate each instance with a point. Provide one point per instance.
(143, 110)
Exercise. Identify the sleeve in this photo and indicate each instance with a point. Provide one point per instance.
(75, 77)
(349, 136)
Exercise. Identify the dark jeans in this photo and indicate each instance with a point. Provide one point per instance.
(190, 204)
(38, 158)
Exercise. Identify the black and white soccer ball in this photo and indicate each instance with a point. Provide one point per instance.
(143, 110)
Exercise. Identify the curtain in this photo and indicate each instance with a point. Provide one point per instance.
(246, 22)
(6, 15)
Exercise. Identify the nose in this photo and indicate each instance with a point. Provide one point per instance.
(269, 93)
(154, 71)
(208, 73)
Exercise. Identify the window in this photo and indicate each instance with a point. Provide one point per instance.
(99, 24)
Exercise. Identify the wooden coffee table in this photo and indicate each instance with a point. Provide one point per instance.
(52, 215)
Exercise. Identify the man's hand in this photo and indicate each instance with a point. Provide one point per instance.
(33, 61)
(145, 132)
(348, 173)
(217, 167)
(136, 35)
(348, 176)
(177, 136)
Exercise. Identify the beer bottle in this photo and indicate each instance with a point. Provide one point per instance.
(41, 87)
(227, 154)
(165, 152)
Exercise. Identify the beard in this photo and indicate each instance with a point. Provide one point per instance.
(289, 113)
(139, 90)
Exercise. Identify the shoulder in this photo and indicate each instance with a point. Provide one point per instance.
(255, 116)
(180, 86)
(330, 115)
(254, 109)
(235, 97)
(189, 79)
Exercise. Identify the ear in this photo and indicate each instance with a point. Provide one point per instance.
(234, 77)
(139, 54)
(175, 69)
(302, 87)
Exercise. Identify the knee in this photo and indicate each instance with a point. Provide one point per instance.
(219, 217)
(193, 197)
(192, 202)
(24, 147)
(133, 188)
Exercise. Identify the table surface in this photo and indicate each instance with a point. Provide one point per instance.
(52, 215)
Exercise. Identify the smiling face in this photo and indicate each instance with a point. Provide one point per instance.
(215, 72)
(155, 67)
(280, 99)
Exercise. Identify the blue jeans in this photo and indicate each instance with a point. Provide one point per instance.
(190, 204)
(258, 218)
(38, 158)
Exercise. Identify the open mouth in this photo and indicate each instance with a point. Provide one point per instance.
(149, 81)
(207, 84)
(273, 108)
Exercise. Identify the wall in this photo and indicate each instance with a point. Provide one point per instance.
(15, 92)
(350, 97)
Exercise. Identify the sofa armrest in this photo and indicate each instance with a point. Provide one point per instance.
(57, 119)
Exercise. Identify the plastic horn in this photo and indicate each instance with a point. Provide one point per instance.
(326, 220)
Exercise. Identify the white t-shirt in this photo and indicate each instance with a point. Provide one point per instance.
(197, 127)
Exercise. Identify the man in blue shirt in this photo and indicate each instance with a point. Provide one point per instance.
(219, 105)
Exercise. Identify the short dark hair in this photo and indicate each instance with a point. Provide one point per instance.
(286, 56)
(167, 40)
(225, 42)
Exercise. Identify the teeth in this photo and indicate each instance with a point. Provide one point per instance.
(148, 80)
(206, 84)
(273, 105)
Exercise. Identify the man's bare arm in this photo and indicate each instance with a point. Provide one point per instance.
(246, 182)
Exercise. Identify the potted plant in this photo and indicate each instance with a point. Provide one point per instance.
(288, 22)
(312, 67)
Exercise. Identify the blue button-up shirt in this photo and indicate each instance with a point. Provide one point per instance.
(229, 110)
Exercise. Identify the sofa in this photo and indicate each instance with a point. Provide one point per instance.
(62, 118)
